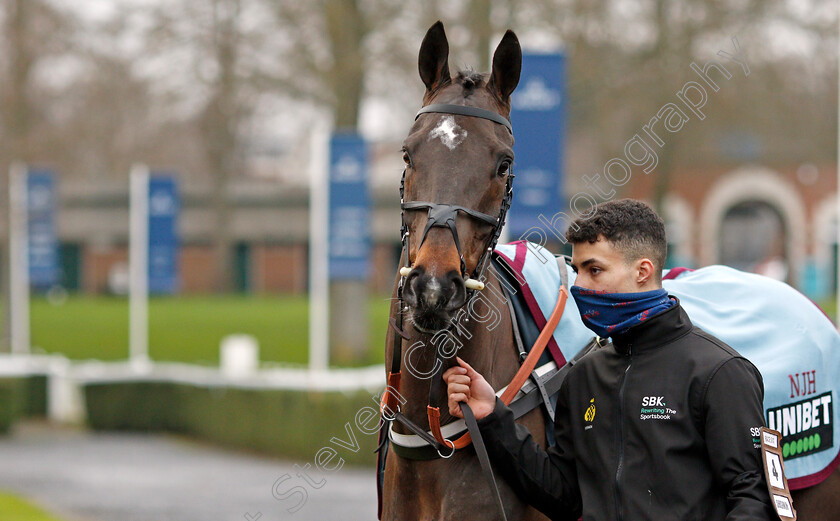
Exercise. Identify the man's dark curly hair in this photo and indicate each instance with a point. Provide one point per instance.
(632, 226)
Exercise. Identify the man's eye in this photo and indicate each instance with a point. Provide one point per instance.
(595, 271)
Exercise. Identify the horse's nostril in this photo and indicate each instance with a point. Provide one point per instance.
(410, 292)
(458, 292)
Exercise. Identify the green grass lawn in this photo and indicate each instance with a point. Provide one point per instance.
(829, 306)
(13, 508)
(188, 329)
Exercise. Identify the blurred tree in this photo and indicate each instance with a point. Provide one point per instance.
(199, 49)
(31, 30)
(218, 123)
(626, 60)
(481, 28)
(92, 112)
(329, 50)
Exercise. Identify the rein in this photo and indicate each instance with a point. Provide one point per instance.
(444, 216)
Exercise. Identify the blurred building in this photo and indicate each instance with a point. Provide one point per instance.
(269, 225)
(780, 221)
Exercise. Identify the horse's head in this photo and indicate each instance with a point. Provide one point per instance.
(455, 159)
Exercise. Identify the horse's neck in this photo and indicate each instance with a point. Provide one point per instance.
(483, 338)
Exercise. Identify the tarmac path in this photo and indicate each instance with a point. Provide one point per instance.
(93, 476)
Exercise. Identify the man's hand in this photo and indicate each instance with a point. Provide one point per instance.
(464, 384)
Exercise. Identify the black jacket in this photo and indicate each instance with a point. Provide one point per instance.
(660, 425)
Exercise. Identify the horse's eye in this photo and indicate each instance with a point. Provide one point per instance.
(503, 168)
(406, 158)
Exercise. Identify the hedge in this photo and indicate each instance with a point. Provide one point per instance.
(23, 396)
(289, 424)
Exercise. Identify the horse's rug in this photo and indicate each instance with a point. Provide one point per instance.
(787, 337)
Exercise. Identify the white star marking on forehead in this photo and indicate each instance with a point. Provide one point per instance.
(450, 134)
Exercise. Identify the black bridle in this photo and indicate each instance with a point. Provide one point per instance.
(444, 215)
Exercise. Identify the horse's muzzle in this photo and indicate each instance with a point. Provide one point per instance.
(432, 300)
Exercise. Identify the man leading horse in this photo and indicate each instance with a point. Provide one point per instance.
(659, 424)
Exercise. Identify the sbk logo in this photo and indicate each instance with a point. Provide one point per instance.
(653, 401)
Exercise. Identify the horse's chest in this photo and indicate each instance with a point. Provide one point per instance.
(441, 490)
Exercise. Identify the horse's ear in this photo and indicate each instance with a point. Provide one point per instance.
(434, 58)
(507, 64)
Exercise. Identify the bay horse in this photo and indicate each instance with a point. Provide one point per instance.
(466, 161)
(458, 165)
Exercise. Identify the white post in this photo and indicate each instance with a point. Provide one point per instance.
(65, 400)
(19, 258)
(138, 267)
(319, 291)
(239, 356)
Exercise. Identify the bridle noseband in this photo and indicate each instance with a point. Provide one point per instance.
(444, 215)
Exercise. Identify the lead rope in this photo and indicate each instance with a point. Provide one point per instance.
(507, 397)
(483, 458)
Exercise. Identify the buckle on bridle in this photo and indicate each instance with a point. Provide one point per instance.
(451, 444)
(385, 416)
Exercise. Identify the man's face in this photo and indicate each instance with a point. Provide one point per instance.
(599, 266)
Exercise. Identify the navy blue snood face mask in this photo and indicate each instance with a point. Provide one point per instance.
(609, 314)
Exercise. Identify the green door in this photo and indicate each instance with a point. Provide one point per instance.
(242, 267)
(70, 260)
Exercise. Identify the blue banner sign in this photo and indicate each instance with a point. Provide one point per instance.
(538, 114)
(164, 206)
(43, 243)
(349, 209)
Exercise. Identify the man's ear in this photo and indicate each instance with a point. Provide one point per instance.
(645, 271)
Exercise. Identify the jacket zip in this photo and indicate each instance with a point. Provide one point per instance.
(618, 510)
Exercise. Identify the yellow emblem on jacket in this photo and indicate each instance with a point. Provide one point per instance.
(590, 411)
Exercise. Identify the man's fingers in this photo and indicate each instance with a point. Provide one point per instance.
(472, 373)
(459, 379)
(453, 371)
(454, 404)
(463, 369)
(457, 397)
(457, 388)
(463, 382)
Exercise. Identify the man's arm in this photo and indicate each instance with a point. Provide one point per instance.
(546, 480)
(732, 408)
